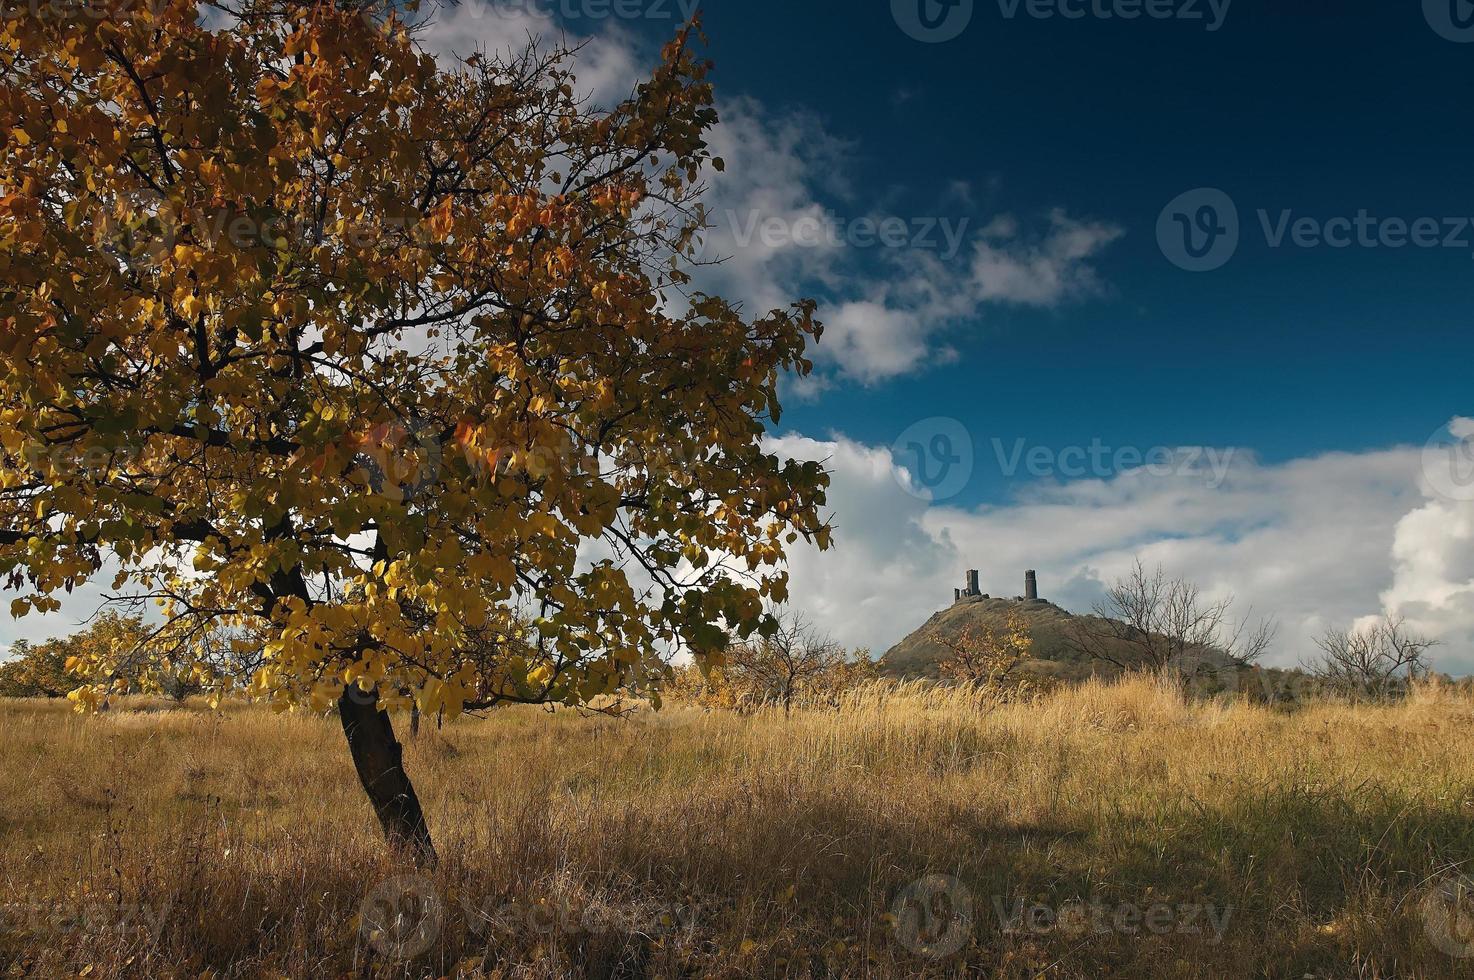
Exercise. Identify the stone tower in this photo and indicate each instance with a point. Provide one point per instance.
(1031, 585)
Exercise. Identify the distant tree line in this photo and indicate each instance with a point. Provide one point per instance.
(1149, 622)
(148, 659)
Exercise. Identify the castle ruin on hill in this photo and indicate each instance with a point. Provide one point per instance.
(971, 590)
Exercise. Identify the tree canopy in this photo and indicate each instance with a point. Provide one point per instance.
(391, 370)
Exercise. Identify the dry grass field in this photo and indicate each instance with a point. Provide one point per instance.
(1102, 831)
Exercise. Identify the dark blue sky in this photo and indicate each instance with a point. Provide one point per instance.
(1322, 108)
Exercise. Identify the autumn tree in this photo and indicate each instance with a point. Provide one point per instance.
(368, 360)
(51, 668)
(985, 656)
(35, 671)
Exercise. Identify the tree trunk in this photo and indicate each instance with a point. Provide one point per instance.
(414, 720)
(379, 759)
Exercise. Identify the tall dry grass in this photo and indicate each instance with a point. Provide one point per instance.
(1103, 830)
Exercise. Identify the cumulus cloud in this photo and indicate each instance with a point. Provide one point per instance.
(1433, 550)
(1312, 543)
(873, 340)
(867, 592)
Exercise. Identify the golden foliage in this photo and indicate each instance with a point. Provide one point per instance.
(343, 354)
(988, 659)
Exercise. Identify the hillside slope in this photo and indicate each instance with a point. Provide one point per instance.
(919, 654)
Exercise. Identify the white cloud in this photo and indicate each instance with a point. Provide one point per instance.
(1433, 553)
(1046, 272)
(873, 340)
(786, 224)
(1313, 543)
(888, 309)
(609, 63)
(874, 588)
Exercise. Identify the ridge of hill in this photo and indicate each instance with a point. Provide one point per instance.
(920, 654)
(1054, 655)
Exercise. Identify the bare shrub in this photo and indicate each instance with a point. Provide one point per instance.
(799, 665)
(1149, 622)
(1377, 661)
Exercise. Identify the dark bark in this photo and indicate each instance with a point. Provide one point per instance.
(379, 759)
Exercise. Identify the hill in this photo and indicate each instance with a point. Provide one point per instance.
(919, 654)
(1055, 656)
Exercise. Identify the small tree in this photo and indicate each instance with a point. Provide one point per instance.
(1150, 622)
(35, 672)
(1375, 661)
(704, 688)
(797, 663)
(55, 668)
(846, 673)
(987, 658)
